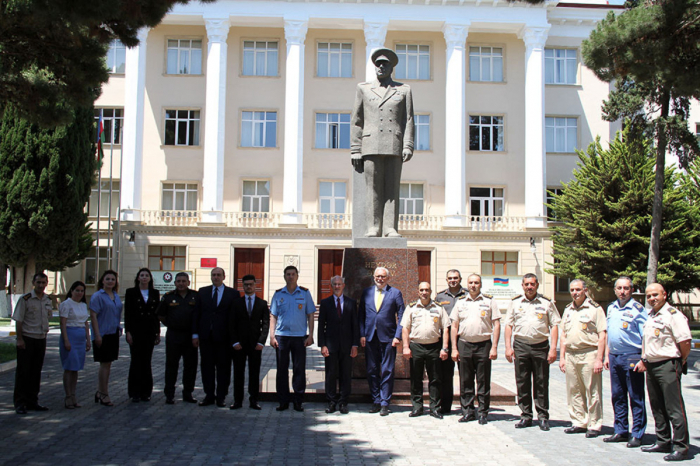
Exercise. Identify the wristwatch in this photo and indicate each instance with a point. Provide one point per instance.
(445, 350)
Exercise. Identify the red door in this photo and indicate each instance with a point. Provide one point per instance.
(249, 261)
(424, 266)
(330, 264)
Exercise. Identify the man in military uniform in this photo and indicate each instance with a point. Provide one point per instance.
(626, 318)
(447, 298)
(532, 321)
(476, 321)
(665, 350)
(581, 357)
(31, 318)
(292, 308)
(176, 311)
(423, 322)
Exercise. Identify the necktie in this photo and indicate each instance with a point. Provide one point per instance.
(216, 296)
(340, 309)
(378, 298)
(250, 305)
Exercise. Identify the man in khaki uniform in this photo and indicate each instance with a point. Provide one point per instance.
(423, 322)
(532, 321)
(665, 350)
(475, 319)
(581, 358)
(31, 315)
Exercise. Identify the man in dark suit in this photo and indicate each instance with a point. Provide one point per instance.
(248, 327)
(210, 332)
(338, 337)
(381, 310)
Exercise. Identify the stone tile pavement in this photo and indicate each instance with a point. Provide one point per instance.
(154, 433)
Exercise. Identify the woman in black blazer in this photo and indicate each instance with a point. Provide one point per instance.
(142, 333)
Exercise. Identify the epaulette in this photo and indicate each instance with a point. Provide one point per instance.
(638, 306)
(595, 304)
(170, 292)
(490, 296)
(412, 303)
(545, 297)
(279, 289)
(27, 296)
(516, 297)
(305, 289)
(443, 291)
(670, 310)
(464, 296)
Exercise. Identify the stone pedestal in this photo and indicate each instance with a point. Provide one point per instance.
(358, 269)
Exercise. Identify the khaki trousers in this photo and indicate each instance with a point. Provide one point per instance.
(584, 389)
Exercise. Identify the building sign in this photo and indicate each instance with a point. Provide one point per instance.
(503, 288)
(206, 263)
(164, 280)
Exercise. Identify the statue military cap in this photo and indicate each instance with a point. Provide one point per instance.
(386, 55)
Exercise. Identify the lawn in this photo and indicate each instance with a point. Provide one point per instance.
(8, 352)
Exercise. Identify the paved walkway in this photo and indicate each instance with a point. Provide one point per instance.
(155, 433)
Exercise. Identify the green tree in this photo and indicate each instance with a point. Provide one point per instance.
(606, 214)
(651, 52)
(45, 182)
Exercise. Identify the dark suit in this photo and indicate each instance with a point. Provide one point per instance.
(339, 334)
(141, 321)
(211, 324)
(248, 331)
(380, 328)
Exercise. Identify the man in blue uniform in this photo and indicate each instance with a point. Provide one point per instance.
(626, 318)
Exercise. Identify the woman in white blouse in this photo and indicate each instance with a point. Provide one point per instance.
(75, 339)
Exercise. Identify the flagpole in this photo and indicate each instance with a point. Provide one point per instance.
(100, 130)
(110, 242)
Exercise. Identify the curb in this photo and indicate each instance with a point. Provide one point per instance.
(8, 366)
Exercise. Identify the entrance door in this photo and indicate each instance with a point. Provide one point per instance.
(424, 266)
(330, 264)
(249, 261)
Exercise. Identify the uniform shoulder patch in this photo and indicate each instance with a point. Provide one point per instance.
(672, 310)
(638, 306)
(276, 291)
(516, 297)
(170, 292)
(412, 303)
(305, 289)
(490, 296)
(27, 296)
(545, 297)
(462, 297)
(594, 304)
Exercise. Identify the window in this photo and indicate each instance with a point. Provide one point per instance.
(167, 257)
(116, 57)
(184, 56)
(331, 197)
(551, 192)
(334, 60)
(182, 127)
(179, 196)
(560, 66)
(92, 275)
(486, 64)
(561, 134)
(561, 284)
(259, 129)
(499, 263)
(422, 133)
(256, 196)
(486, 133)
(113, 123)
(104, 197)
(414, 61)
(260, 58)
(411, 199)
(332, 131)
(486, 202)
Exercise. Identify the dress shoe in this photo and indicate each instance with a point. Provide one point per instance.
(189, 399)
(220, 404)
(376, 407)
(469, 416)
(206, 402)
(575, 430)
(236, 406)
(169, 401)
(434, 413)
(135, 399)
(444, 411)
(282, 407)
(616, 438)
(544, 425)
(21, 409)
(656, 448)
(592, 433)
(416, 412)
(384, 411)
(523, 423)
(254, 405)
(482, 420)
(331, 408)
(298, 406)
(676, 456)
(344, 409)
(38, 407)
(145, 398)
(634, 442)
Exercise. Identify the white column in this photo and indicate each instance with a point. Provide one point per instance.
(215, 118)
(132, 143)
(535, 163)
(375, 34)
(294, 33)
(455, 125)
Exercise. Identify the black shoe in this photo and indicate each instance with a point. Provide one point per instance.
(221, 404)
(469, 416)
(282, 407)
(21, 409)
(376, 407)
(135, 399)
(331, 408)
(592, 433)
(523, 423)
(344, 409)
(575, 430)
(656, 448)
(145, 398)
(384, 411)
(416, 412)
(634, 442)
(616, 438)
(434, 413)
(206, 402)
(544, 425)
(298, 406)
(189, 399)
(169, 401)
(483, 420)
(676, 456)
(254, 405)
(236, 406)
(38, 407)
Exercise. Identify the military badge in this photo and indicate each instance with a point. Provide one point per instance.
(657, 332)
(631, 365)
(483, 313)
(625, 325)
(301, 306)
(584, 325)
(540, 315)
(435, 319)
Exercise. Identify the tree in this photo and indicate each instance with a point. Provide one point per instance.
(52, 51)
(606, 215)
(651, 52)
(45, 182)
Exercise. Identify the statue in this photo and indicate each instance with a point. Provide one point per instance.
(381, 132)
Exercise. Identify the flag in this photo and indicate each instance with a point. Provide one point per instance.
(500, 281)
(100, 137)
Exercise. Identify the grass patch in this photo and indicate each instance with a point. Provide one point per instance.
(5, 321)
(8, 352)
(695, 333)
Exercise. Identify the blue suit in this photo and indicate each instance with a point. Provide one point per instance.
(380, 327)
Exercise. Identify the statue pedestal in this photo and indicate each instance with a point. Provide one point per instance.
(358, 269)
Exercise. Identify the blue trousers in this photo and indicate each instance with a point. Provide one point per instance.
(624, 383)
(293, 346)
(380, 370)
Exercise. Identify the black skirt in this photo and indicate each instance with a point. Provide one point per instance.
(109, 351)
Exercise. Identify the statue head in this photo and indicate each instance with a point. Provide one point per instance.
(384, 61)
